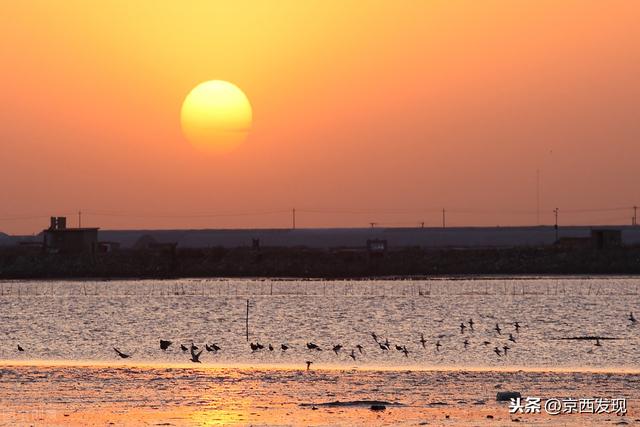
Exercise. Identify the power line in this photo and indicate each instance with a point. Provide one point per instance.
(194, 215)
(597, 210)
(374, 214)
(368, 211)
(31, 217)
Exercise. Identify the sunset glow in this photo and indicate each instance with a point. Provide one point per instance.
(456, 104)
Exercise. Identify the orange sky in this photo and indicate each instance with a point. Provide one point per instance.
(360, 108)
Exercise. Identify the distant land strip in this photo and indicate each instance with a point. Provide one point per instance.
(170, 262)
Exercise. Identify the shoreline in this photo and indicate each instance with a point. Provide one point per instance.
(394, 278)
(97, 364)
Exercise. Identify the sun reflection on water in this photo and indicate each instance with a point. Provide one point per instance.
(218, 417)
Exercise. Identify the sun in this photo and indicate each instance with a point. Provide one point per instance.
(216, 116)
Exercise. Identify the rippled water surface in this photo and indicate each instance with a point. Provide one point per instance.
(84, 320)
(69, 374)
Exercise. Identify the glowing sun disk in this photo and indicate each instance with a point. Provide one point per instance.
(216, 115)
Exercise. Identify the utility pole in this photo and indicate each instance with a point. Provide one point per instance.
(373, 224)
(79, 219)
(634, 221)
(293, 218)
(247, 322)
(444, 222)
(422, 224)
(555, 211)
(538, 196)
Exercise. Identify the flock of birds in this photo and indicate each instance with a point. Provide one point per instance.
(384, 345)
(501, 350)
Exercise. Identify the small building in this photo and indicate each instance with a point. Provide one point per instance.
(606, 238)
(106, 247)
(60, 239)
(169, 247)
(376, 247)
(30, 244)
(144, 242)
(574, 242)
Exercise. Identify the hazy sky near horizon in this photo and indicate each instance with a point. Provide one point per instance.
(372, 111)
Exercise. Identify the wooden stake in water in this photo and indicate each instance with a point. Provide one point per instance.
(247, 321)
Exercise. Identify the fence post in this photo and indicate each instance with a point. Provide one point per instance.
(247, 321)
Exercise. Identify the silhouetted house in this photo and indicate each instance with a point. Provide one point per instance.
(29, 247)
(376, 247)
(149, 243)
(60, 239)
(574, 242)
(606, 238)
(144, 242)
(105, 247)
(164, 247)
(30, 244)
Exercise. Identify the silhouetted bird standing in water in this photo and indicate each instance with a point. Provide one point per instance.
(438, 345)
(193, 347)
(374, 336)
(270, 347)
(512, 338)
(164, 344)
(255, 347)
(353, 355)
(212, 347)
(517, 326)
(423, 341)
(598, 342)
(195, 357)
(359, 347)
(471, 324)
(20, 348)
(313, 346)
(496, 350)
(466, 343)
(462, 328)
(498, 330)
(121, 354)
(284, 347)
(505, 348)
(336, 348)
(183, 347)
(398, 347)
(309, 364)
(486, 342)
(405, 351)
(631, 318)
(383, 346)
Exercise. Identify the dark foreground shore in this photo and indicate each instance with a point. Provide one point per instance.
(25, 263)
